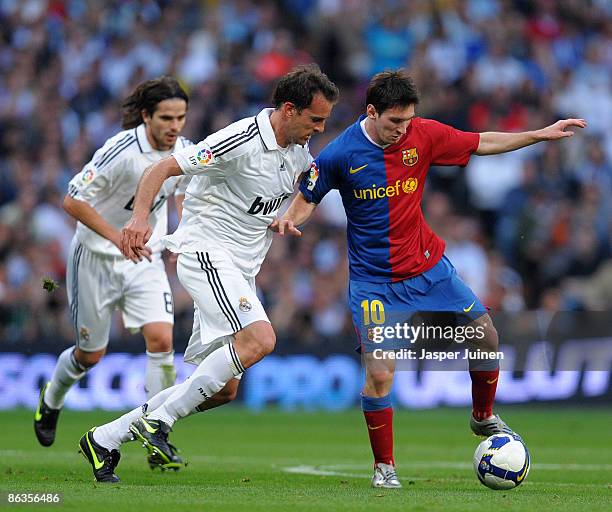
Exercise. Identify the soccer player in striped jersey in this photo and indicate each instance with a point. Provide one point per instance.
(99, 279)
(241, 176)
(397, 264)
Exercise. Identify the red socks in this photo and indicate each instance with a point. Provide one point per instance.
(484, 385)
(380, 430)
(379, 416)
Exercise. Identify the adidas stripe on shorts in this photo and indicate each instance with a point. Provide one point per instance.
(225, 300)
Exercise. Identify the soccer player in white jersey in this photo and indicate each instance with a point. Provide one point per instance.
(99, 279)
(241, 175)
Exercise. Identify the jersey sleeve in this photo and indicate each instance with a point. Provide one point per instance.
(98, 174)
(320, 178)
(449, 145)
(303, 169)
(182, 183)
(219, 155)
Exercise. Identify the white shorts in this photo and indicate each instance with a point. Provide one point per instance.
(225, 301)
(98, 284)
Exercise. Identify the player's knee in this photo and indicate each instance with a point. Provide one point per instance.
(258, 339)
(493, 337)
(158, 336)
(487, 337)
(379, 372)
(159, 344)
(379, 381)
(265, 344)
(88, 359)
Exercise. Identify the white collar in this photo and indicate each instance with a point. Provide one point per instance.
(266, 131)
(141, 139)
(365, 132)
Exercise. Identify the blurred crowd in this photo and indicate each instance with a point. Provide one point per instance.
(528, 229)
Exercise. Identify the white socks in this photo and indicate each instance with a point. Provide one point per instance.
(208, 379)
(111, 435)
(160, 373)
(67, 372)
(178, 401)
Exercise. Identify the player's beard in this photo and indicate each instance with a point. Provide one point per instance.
(304, 140)
(163, 143)
(172, 138)
(295, 139)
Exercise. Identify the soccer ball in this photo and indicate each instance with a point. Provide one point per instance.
(501, 462)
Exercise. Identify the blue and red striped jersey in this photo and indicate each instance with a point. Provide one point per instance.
(382, 189)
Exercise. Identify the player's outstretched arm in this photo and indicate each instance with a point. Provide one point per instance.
(298, 212)
(493, 143)
(136, 233)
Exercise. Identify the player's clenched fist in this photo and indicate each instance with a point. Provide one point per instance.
(134, 235)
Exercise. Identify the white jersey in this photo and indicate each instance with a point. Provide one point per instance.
(241, 179)
(108, 183)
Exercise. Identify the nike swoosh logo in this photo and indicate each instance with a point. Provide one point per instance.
(149, 428)
(492, 381)
(38, 414)
(467, 310)
(353, 171)
(97, 463)
(379, 426)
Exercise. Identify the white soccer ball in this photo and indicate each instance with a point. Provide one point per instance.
(501, 462)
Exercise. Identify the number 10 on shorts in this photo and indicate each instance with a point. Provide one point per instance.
(373, 312)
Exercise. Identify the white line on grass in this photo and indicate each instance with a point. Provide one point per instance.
(361, 470)
(330, 471)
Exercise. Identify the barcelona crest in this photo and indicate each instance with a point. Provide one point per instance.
(410, 156)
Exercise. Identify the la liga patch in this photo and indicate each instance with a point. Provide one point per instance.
(88, 176)
(204, 156)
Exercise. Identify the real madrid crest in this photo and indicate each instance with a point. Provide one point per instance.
(84, 334)
(244, 305)
(410, 156)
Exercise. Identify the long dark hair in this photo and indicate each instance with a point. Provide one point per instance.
(146, 96)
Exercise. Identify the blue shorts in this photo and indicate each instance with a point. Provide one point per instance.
(376, 306)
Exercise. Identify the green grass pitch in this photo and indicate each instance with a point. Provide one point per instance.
(318, 461)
